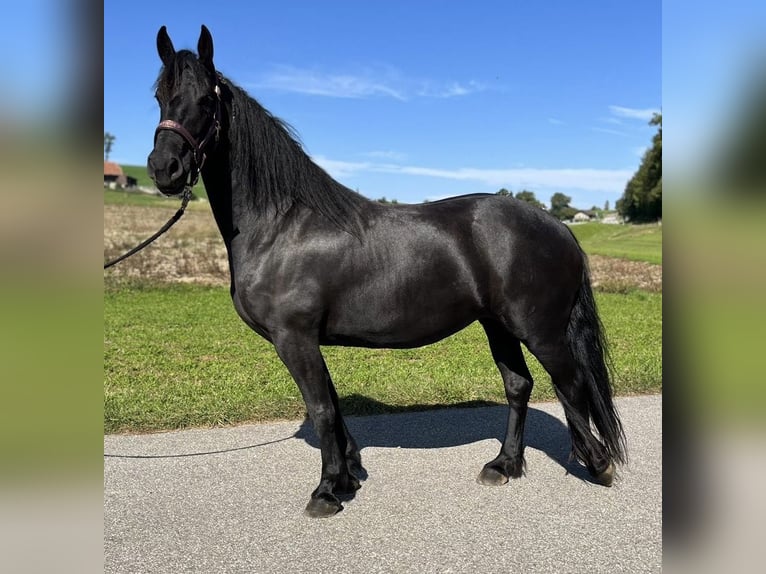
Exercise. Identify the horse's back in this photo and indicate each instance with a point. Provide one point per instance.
(510, 233)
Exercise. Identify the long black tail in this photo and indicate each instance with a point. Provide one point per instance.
(588, 346)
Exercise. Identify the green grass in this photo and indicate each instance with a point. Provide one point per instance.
(178, 356)
(635, 242)
(143, 179)
(118, 197)
(139, 172)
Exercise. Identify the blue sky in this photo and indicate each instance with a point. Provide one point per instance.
(712, 51)
(39, 45)
(415, 100)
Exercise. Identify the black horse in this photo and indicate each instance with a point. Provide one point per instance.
(314, 263)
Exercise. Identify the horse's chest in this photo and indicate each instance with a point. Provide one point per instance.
(255, 314)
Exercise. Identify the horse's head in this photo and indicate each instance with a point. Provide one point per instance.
(188, 93)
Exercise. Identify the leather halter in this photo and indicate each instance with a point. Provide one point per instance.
(198, 149)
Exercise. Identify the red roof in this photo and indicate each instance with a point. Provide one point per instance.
(111, 168)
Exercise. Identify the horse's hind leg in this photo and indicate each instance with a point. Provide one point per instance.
(347, 443)
(572, 392)
(506, 351)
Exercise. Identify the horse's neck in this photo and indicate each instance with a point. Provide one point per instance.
(233, 211)
(219, 186)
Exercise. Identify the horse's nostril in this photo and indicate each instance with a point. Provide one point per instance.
(174, 168)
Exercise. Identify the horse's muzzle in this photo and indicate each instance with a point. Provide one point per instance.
(168, 172)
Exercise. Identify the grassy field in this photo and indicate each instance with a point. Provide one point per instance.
(634, 242)
(178, 356)
(143, 179)
(117, 197)
(139, 172)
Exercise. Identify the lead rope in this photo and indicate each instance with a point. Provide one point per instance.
(185, 201)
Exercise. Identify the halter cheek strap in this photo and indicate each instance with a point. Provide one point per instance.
(198, 149)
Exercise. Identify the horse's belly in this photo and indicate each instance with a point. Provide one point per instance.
(396, 323)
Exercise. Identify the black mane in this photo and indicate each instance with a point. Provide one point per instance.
(270, 161)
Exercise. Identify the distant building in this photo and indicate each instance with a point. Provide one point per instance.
(114, 177)
(580, 217)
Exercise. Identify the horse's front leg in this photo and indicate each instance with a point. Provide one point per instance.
(302, 357)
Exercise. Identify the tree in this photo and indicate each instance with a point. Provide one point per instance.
(606, 205)
(740, 165)
(504, 193)
(529, 197)
(108, 141)
(642, 199)
(560, 207)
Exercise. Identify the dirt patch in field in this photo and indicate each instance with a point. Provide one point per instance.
(620, 275)
(193, 252)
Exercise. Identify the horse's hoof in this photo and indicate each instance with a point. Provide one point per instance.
(606, 478)
(491, 477)
(323, 506)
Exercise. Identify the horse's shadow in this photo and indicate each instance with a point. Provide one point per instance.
(429, 427)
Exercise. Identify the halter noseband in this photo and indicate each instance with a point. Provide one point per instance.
(198, 149)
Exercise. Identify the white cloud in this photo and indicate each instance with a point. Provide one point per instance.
(385, 154)
(633, 113)
(585, 179)
(453, 90)
(609, 131)
(340, 169)
(384, 82)
(603, 180)
(555, 122)
(313, 82)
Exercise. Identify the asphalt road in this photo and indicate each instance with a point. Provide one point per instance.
(231, 500)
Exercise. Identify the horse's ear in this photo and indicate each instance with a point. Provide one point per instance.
(164, 46)
(205, 48)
